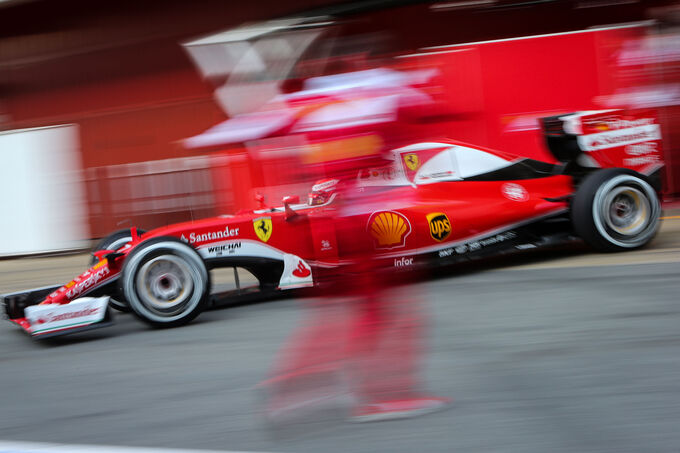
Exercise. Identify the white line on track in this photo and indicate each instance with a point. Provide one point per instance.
(39, 447)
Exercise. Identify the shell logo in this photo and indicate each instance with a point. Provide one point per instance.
(389, 229)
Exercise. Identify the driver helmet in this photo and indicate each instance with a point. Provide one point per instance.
(323, 191)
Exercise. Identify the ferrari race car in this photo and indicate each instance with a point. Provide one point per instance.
(439, 202)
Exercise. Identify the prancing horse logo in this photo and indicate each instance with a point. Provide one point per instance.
(412, 161)
(263, 228)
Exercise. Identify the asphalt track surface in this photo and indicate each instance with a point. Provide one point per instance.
(558, 352)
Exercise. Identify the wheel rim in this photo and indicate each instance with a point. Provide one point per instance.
(165, 284)
(628, 212)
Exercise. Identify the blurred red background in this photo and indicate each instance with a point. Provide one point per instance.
(120, 73)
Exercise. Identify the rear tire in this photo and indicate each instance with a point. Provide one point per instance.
(114, 241)
(616, 209)
(165, 282)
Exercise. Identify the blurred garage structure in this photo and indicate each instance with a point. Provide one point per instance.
(119, 72)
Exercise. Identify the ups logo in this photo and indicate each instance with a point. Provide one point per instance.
(440, 226)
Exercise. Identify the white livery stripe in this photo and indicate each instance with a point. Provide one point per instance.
(35, 447)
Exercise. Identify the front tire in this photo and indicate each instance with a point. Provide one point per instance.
(114, 241)
(616, 209)
(165, 282)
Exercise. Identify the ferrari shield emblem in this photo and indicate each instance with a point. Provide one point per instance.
(411, 161)
(263, 228)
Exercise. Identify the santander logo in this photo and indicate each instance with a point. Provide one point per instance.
(301, 271)
(49, 317)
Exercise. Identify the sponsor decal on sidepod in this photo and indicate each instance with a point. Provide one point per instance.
(477, 245)
(440, 226)
(388, 229)
(203, 237)
(220, 250)
(403, 261)
(514, 192)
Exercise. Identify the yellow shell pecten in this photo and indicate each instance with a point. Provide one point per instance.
(388, 229)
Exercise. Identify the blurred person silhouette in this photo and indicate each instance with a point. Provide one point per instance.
(361, 336)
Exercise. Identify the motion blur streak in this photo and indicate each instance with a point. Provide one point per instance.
(114, 114)
(35, 447)
(358, 344)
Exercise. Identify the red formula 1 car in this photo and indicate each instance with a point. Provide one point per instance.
(440, 202)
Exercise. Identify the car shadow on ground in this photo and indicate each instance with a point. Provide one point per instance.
(223, 298)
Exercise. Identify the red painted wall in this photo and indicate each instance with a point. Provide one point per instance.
(123, 121)
(498, 89)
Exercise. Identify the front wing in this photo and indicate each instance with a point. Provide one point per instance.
(24, 308)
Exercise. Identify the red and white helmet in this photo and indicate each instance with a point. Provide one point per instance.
(323, 191)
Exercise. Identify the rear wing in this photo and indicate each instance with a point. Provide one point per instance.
(605, 139)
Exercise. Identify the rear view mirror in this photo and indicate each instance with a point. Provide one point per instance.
(287, 201)
(260, 200)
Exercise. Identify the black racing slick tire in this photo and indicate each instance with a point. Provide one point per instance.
(114, 241)
(616, 209)
(165, 282)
